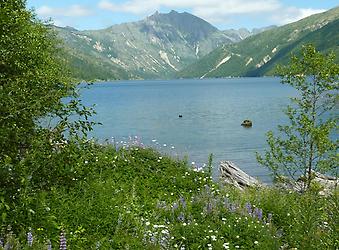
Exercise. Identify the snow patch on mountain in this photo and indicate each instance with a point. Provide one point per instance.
(98, 46)
(249, 61)
(227, 58)
(117, 61)
(222, 62)
(265, 60)
(197, 49)
(164, 57)
(130, 44)
(86, 38)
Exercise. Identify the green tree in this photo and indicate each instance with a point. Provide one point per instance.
(33, 79)
(34, 86)
(305, 145)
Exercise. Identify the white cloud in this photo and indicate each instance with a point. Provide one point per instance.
(217, 11)
(71, 11)
(292, 14)
(197, 6)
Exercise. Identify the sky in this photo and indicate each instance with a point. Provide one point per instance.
(223, 14)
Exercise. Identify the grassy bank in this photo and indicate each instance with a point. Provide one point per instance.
(135, 198)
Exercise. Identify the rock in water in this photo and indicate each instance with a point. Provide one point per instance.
(247, 123)
(233, 175)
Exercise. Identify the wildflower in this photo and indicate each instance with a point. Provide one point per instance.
(226, 245)
(181, 217)
(183, 202)
(209, 207)
(49, 245)
(232, 208)
(213, 237)
(30, 239)
(184, 224)
(248, 207)
(258, 213)
(237, 246)
(63, 242)
(269, 218)
(237, 236)
(147, 223)
(97, 245)
(256, 242)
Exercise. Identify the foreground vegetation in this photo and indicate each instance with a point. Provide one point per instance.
(135, 198)
(59, 190)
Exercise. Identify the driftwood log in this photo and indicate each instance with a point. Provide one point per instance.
(233, 175)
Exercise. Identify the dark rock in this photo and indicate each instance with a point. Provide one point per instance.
(246, 123)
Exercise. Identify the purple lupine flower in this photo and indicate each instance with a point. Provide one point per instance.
(153, 239)
(233, 208)
(183, 202)
(181, 217)
(259, 215)
(49, 245)
(175, 206)
(248, 207)
(30, 239)
(269, 218)
(63, 242)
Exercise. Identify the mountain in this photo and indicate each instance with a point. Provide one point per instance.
(157, 47)
(240, 34)
(258, 55)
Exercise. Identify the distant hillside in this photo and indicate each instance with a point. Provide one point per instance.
(156, 47)
(258, 55)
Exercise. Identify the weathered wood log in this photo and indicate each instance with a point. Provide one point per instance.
(234, 176)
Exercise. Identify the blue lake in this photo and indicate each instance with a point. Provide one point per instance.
(212, 111)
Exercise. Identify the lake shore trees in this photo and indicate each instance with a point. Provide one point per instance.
(307, 143)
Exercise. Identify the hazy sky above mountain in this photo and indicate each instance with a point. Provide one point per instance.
(224, 14)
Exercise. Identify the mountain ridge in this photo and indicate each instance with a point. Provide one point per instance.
(257, 55)
(153, 48)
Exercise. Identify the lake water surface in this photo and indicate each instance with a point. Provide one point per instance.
(212, 111)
